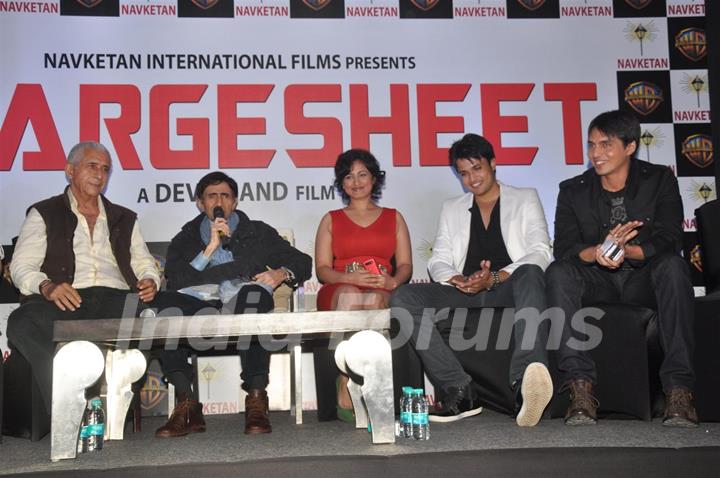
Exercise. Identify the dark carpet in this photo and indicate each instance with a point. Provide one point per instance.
(488, 445)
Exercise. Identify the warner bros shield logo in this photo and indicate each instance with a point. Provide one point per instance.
(698, 149)
(425, 5)
(153, 391)
(317, 4)
(531, 4)
(205, 4)
(691, 42)
(638, 4)
(643, 97)
(88, 3)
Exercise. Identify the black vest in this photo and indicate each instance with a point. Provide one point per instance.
(60, 223)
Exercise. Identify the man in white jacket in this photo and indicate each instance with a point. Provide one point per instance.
(491, 250)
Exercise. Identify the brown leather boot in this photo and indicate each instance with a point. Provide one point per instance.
(187, 417)
(679, 410)
(583, 405)
(257, 417)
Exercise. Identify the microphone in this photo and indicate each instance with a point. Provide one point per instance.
(219, 213)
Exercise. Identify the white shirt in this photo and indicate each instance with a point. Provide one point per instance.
(95, 263)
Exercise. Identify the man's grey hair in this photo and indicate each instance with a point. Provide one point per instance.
(77, 153)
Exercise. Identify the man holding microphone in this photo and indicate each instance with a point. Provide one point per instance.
(224, 260)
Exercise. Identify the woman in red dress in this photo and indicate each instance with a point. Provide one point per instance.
(362, 252)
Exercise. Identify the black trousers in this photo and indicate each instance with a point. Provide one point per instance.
(421, 306)
(30, 326)
(254, 358)
(663, 283)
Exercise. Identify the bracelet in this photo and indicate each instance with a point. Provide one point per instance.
(495, 280)
(42, 285)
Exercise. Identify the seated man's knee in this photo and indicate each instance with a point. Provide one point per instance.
(529, 271)
(669, 265)
(23, 326)
(254, 297)
(403, 296)
(17, 328)
(559, 272)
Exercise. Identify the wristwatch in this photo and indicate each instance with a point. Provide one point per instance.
(289, 276)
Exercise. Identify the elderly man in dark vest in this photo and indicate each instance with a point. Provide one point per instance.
(78, 256)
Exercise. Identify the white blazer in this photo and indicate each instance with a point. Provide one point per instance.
(522, 223)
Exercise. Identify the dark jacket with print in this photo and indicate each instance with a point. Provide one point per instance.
(651, 196)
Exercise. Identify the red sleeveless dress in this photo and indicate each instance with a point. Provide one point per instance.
(353, 243)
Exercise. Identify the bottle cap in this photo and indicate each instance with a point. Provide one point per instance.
(96, 402)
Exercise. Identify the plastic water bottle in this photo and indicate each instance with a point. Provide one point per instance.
(420, 423)
(82, 444)
(96, 425)
(406, 423)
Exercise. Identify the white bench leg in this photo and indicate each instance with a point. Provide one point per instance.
(368, 354)
(76, 366)
(122, 369)
(296, 398)
(354, 389)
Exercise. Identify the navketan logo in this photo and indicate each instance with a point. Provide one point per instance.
(698, 149)
(88, 3)
(691, 42)
(701, 192)
(425, 249)
(425, 4)
(531, 4)
(641, 33)
(643, 97)
(651, 139)
(695, 85)
(205, 4)
(208, 373)
(317, 4)
(638, 4)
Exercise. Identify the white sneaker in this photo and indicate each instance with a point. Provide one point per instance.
(536, 390)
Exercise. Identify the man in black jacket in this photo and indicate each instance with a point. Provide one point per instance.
(618, 231)
(224, 260)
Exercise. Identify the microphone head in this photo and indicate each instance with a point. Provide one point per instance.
(218, 212)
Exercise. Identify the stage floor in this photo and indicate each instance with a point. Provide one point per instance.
(489, 444)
